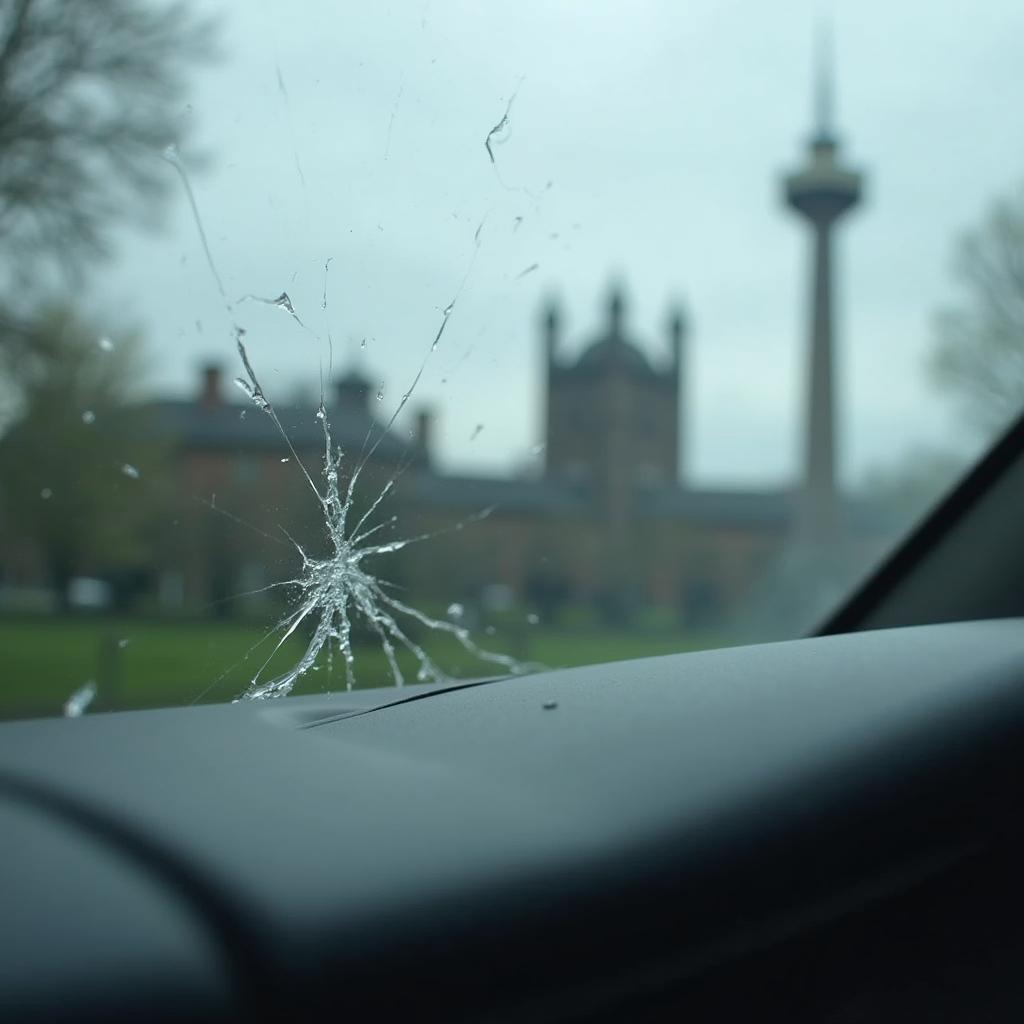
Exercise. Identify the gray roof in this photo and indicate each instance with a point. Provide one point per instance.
(765, 509)
(222, 427)
(507, 493)
(716, 509)
(230, 426)
(744, 509)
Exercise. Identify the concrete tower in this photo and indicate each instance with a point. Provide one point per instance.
(822, 191)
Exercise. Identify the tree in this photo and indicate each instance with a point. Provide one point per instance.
(90, 95)
(79, 474)
(979, 350)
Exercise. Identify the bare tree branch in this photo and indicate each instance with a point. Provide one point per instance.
(90, 94)
(979, 350)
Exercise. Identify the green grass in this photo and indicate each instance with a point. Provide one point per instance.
(43, 660)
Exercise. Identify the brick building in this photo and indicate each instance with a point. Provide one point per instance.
(608, 521)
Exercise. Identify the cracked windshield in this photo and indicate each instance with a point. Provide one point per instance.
(373, 346)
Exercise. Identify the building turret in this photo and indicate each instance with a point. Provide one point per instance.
(616, 311)
(677, 333)
(551, 325)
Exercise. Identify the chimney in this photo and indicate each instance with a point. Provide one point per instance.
(353, 391)
(209, 389)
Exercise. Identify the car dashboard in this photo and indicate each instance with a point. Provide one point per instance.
(821, 829)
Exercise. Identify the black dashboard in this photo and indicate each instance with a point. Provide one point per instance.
(822, 829)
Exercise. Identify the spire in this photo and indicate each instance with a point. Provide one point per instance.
(824, 95)
(616, 306)
(676, 332)
(551, 323)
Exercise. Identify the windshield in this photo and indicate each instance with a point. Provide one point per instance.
(358, 347)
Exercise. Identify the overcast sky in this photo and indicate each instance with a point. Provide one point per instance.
(662, 128)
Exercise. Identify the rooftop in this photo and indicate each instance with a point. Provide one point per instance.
(212, 422)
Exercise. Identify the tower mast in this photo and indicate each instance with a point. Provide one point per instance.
(821, 192)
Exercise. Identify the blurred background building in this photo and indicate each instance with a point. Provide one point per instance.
(582, 480)
(605, 516)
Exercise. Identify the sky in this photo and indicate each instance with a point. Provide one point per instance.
(646, 144)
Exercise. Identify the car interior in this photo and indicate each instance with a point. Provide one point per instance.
(823, 829)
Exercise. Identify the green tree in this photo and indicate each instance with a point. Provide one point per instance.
(90, 94)
(979, 350)
(80, 471)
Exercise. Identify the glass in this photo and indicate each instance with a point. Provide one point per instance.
(569, 283)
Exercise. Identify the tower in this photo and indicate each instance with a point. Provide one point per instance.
(822, 191)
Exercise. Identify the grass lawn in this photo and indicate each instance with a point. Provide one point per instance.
(150, 664)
